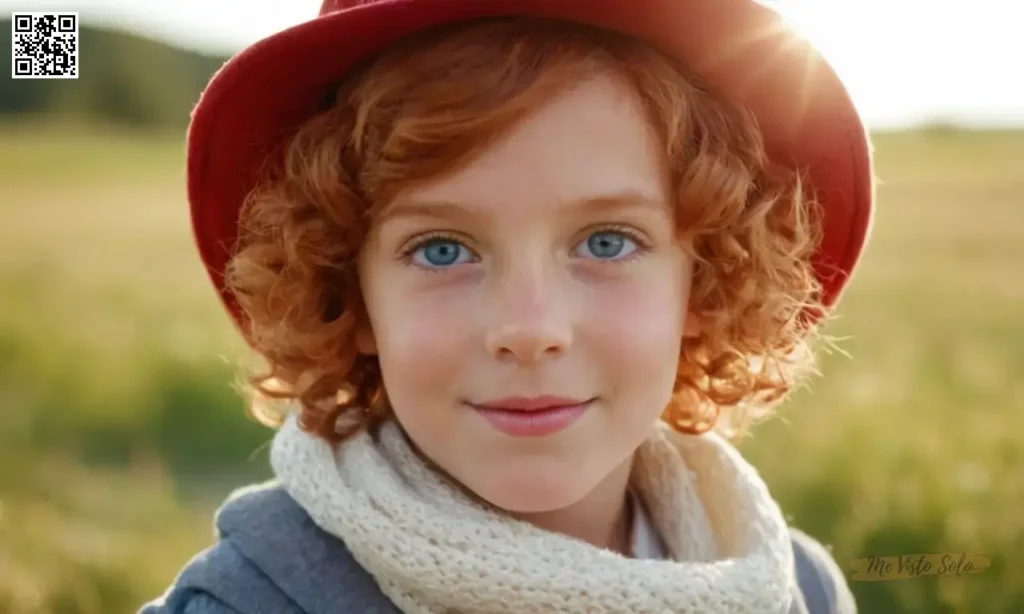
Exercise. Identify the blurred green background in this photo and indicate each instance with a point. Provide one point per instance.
(120, 431)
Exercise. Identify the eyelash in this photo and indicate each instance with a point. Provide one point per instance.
(415, 244)
(642, 243)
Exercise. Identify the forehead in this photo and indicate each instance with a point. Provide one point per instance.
(592, 142)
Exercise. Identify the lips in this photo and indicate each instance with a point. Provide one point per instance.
(539, 403)
(532, 416)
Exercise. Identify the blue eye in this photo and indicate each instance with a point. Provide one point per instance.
(609, 245)
(439, 253)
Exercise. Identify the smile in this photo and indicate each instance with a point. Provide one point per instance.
(532, 417)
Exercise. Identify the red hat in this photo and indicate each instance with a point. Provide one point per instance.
(739, 46)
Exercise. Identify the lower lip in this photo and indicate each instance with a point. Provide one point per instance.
(533, 423)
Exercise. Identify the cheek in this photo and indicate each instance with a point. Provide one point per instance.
(638, 327)
(421, 343)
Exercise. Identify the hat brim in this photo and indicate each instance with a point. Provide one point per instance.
(739, 46)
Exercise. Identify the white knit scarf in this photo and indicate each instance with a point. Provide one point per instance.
(432, 549)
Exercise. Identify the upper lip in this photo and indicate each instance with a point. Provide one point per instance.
(538, 403)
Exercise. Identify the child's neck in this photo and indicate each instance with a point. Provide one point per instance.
(602, 518)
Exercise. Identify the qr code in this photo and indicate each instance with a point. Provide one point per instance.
(44, 45)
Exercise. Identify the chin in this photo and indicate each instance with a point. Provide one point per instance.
(523, 491)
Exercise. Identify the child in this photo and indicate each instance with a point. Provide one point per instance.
(518, 269)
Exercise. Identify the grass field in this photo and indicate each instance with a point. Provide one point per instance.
(119, 430)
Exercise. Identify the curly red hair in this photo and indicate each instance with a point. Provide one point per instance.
(425, 107)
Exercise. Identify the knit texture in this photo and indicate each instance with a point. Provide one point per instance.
(432, 549)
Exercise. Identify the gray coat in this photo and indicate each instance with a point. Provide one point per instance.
(272, 559)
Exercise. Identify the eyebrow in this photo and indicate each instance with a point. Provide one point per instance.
(445, 209)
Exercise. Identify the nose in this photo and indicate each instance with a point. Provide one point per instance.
(530, 319)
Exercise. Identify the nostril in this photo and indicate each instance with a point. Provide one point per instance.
(528, 343)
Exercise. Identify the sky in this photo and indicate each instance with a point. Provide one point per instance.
(904, 61)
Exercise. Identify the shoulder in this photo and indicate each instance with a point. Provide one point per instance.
(228, 577)
(198, 603)
(223, 579)
(270, 557)
(821, 581)
(219, 580)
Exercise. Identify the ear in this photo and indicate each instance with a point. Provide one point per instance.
(691, 326)
(366, 342)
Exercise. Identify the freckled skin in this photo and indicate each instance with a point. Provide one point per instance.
(525, 305)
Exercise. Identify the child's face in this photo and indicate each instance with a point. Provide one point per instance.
(548, 266)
